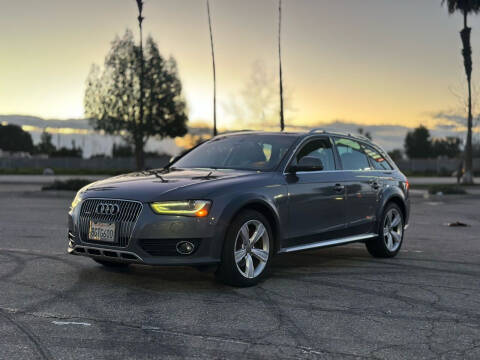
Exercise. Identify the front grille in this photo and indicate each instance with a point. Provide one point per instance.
(124, 220)
(165, 247)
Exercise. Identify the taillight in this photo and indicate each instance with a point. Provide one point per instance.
(407, 185)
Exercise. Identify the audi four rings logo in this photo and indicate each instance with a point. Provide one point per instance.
(107, 209)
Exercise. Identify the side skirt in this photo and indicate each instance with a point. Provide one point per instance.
(327, 243)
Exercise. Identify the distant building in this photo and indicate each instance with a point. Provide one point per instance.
(14, 154)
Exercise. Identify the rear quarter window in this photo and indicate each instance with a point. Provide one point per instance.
(378, 161)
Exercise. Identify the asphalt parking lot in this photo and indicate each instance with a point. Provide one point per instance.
(331, 303)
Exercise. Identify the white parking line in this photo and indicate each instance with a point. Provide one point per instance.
(61, 323)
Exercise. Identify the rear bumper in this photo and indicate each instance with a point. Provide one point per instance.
(407, 211)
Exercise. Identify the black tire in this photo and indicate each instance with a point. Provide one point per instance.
(378, 247)
(228, 271)
(112, 264)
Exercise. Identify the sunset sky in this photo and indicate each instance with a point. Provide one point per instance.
(370, 61)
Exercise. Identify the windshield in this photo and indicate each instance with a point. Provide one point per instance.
(242, 152)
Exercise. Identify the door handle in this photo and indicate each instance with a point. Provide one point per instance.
(374, 184)
(339, 187)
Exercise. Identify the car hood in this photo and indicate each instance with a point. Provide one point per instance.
(151, 185)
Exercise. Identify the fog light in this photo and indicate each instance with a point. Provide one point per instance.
(185, 247)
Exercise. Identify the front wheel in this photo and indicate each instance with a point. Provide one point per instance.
(391, 228)
(247, 250)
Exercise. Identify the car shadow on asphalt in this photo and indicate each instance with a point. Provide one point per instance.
(158, 278)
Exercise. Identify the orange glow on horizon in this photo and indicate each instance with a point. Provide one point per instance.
(394, 80)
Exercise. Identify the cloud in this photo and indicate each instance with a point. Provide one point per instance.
(453, 123)
(388, 136)
(451, 127)
(43, 123)
(447, 118)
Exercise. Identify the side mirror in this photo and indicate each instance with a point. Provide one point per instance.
(307, 163)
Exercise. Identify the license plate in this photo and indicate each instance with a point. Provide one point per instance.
(100, 231)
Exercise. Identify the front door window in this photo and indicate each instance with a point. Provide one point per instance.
(320, 149)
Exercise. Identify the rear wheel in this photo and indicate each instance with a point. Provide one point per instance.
(111, 264)
(391, 228)
(247, 250)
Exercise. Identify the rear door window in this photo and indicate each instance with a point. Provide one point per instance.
(351, 154)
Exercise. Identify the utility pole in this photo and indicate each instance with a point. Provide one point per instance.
(282, 119)
(139, 140)
(214, 71)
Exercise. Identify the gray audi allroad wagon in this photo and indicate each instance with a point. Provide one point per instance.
(238, 199)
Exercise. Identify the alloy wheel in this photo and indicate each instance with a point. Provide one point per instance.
(393, 230)
(252, 249)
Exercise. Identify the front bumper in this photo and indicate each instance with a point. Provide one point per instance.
(153, 240)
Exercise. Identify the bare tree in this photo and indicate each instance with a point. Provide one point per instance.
(454, 117)
(282, 119)
(214, 71)
(362, 132)
(256, 105)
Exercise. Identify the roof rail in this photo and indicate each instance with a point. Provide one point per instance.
(333, 131)
(318, 129)
(338, 132)
(363, 137)
(236, 131)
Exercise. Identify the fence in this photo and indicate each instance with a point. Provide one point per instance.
(100, 164)
(440, 166)
(437, 166)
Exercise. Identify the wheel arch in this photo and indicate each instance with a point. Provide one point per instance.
(401, 204)
(397, 198)
(264, 207)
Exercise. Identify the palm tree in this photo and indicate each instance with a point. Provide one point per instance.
(139, 156)
(282, 119)
(466, 7)
(214, 72)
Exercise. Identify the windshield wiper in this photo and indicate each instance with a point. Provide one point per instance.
(206, 177)
(160, 177)
(157, 173)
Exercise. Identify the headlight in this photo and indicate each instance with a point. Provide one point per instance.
(76, 200)
(198, 208)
